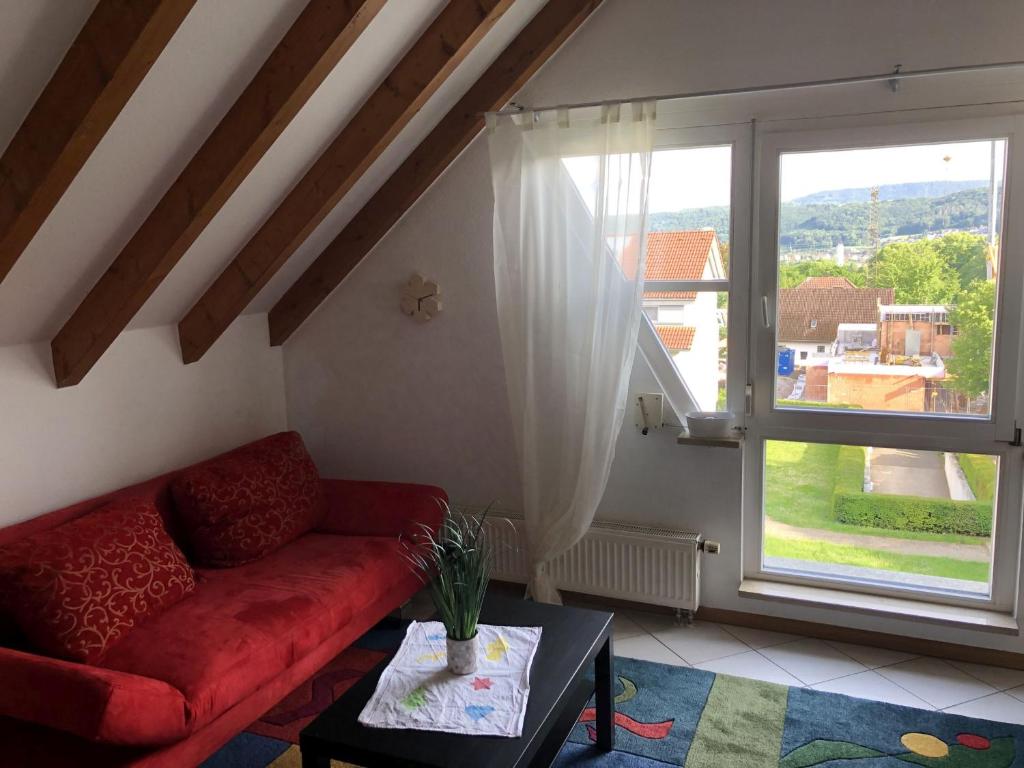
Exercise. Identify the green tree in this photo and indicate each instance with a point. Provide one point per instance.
(915, 271)
(965, 253)
(973, 318)
(791, 275)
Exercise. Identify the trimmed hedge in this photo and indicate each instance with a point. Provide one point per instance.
(980, 472)
(914, 513)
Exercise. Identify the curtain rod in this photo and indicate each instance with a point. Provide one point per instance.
(893, 78)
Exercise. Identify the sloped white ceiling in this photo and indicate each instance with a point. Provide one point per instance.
(211, 58)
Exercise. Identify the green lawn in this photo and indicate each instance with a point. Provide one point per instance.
(980, 471)
(801, 478)
(824, 552)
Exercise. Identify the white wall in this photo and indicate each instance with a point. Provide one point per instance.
(139, 413)
(811, 348)
(378, 396)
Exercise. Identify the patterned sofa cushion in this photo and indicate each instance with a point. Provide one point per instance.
(245, 504)
(76, 589)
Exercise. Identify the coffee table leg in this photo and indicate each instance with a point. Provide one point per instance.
(604, 673)
(309, 760)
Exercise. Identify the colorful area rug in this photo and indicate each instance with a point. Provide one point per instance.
(676, 716)
(687, 717)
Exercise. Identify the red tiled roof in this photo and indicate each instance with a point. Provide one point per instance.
(826, 282)
(676, 338)
(680, 255)
(814, 314)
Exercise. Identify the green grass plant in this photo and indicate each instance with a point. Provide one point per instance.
(455, 561)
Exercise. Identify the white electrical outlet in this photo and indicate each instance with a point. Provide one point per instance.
(649, 411)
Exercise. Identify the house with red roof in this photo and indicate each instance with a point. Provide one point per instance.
(810, 315)
(688, 322)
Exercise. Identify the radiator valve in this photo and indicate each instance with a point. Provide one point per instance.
(710, 547)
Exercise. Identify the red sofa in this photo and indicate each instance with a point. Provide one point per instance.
(181, 684)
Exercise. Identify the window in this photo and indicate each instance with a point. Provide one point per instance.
(920, 229)
(687, 271)
(803, 354)
(876, 515)
(887, 465)
(696, 212)
(821, 348)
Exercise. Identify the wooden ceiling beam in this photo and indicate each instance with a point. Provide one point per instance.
(438, 51)
(551, 27)
(309, 50)
(101, 70)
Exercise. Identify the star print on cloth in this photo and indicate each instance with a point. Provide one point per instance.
(482, 684)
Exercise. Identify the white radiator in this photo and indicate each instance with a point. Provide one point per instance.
(630, 562)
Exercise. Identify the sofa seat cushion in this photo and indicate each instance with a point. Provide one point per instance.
(244, 626)
(243, 505)
(77, 589)
(91, 702)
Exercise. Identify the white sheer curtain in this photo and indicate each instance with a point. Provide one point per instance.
(570, 202)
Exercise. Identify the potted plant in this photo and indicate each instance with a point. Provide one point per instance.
(456, 562)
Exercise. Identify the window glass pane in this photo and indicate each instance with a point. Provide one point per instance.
(895, 516)
(689, 213)
(693, 331)
(888, 264)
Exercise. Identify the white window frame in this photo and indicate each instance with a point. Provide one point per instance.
(990, 435)
(737, 283)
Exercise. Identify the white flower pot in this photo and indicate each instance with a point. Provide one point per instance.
(462, 655)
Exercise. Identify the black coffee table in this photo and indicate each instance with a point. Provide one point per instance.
(572, 640)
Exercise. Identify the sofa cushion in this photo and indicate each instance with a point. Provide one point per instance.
(91, 702)
(76, 589)
(243, 505)
(244, 626)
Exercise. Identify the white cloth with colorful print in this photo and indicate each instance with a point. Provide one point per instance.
(417, 691)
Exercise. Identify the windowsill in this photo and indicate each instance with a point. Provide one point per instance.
(684, 438)
(979, 619)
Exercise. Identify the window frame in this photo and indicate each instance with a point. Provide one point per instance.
(992, 435)
(739, 137)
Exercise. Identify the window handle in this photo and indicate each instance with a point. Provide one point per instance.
(764, 311)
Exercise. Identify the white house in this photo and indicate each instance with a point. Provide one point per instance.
(688, 321)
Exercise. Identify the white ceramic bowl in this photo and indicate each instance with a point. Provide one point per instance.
(709, 423)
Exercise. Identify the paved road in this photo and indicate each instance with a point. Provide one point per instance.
(909, 473)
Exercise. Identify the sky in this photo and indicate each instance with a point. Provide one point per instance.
(807, 172)
(699, 177)
(670, 190)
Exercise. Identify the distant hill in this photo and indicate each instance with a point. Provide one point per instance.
(890, 192)
(823, 225)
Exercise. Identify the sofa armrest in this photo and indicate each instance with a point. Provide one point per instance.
(364, 508)
(91, 702)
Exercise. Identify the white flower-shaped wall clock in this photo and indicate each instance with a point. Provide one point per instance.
(421, 299)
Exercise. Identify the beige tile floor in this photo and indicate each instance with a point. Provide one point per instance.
(974, 690)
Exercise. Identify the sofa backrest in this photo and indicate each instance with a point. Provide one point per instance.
(157, 489)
